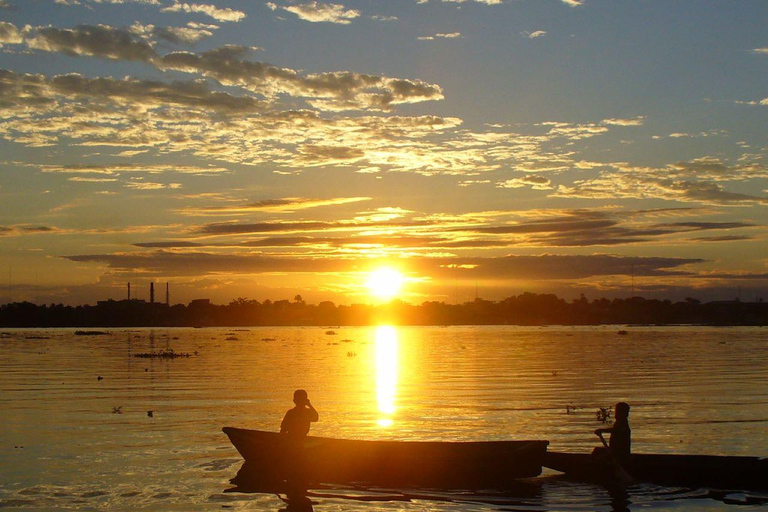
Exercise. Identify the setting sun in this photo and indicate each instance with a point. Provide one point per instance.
(385, 283)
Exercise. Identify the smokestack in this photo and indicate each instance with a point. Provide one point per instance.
(167, 294)
(151, 293)
(129, 291)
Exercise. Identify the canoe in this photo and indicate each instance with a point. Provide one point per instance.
(692, 471)
(445, 465)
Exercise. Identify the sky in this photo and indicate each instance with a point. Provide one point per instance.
(479, 148)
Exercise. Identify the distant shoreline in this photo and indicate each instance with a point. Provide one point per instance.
(322, 326)
(527, 309)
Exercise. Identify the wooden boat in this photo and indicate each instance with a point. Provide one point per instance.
(447, 465)
(692, 471)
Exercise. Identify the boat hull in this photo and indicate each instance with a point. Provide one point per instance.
(693, 471)
(466, 465)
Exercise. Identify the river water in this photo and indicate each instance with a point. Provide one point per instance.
(72, 441)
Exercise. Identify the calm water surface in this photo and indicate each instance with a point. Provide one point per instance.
(70, 441)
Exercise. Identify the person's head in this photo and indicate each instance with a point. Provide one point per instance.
(622, 410)
(300, 397)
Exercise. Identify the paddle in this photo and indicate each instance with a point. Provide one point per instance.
(622, 475)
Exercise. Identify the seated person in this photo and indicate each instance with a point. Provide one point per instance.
(620, 443)
(296, 422)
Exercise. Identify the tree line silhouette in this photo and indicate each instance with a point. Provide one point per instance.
(524, 309)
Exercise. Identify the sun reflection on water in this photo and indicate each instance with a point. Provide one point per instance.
(386, 372)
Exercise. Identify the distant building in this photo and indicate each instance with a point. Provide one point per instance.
(199, 303)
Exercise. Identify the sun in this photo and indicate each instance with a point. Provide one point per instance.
(385, 283)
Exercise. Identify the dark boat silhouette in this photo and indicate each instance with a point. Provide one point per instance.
(692, 471)
(443, 465)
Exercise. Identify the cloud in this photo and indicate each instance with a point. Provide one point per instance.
(9, 34)
(708, 168)
(761, 51)
(696, 180)
(320, 12)
(535, 182)
(86, 179)
(190, 34)
(228, 228)
(762, 103)
(283, 205)
(405, 233)
(316, 154)
(581, 228)
(702, 226)
(451, 35)
(342, 90)
(40, 89)
(168, 245)
(709, 193)
(112, 169)
(26, 229)
(149, 185)
(618, 186)
(114, 2)
(189, 117)
(724, 238)
(214, 12)
(573, 3)
(574, 131)
(377, 242)
(93, 41)
(542, 267)
(681, 135)
(636, 121)
(535, 34)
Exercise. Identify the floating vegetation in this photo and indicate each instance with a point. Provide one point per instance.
(268, 339)
(117, 409)
(163, 354)
(37, 337)
(351, 354)
(330, 333)
(604, 414)
(622, 333)
(232, 338)
(347, 341)
(91, 333)
(569, 409)
(6, 335)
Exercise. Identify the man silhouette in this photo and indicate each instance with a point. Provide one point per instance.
(294, 428)
(620, 443)
(297, 421)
